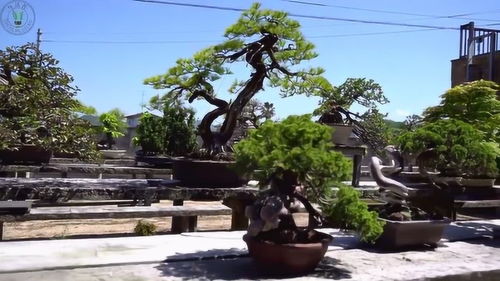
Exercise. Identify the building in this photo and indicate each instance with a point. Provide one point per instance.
(479, 55)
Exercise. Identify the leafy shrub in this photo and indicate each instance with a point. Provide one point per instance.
(352, 213)
(150, 134)
(145, 228)
(455, 145)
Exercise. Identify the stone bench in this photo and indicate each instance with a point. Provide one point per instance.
(186, 216)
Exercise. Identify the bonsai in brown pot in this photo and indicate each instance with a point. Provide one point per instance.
(295, 164)
(37, 109)
(334, 110)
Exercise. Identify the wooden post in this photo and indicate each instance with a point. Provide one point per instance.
(238, 219)
(356, 169)
(179, 224)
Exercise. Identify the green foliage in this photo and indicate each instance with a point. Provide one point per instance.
(482, 161)
(150, 133)
(352, 213)
(173, 134)
(282, 64)
(112, 123)
(476, 103)
(38, 105)
(179, 129)
(455, 143)
(145, 228)
(362, 91)
(296, 144)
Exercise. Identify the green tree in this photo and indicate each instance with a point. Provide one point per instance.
(112, 126)
(335, 103)
(476, 103)
(266, 40)
(37, 104)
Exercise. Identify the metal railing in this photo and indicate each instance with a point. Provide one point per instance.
(478, 41)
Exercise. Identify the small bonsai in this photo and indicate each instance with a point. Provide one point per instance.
(294, 161)
(112, 126)
(335, 103)
(483, 161)
(172, 134)
(448, 146)
(150, 134)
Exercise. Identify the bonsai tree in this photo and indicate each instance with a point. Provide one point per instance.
(448, 146)
(37, 104)
(335, 103)
(173, 134)
(266, 41)
(256, 112)
(476, 103)
(293, 160)
(150, 134)
(483, 161)
(112, 126)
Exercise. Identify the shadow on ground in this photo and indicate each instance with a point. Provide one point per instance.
(234, 264)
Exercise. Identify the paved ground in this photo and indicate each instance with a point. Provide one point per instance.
(223, 256)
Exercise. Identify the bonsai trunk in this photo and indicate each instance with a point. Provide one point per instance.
(109, 140)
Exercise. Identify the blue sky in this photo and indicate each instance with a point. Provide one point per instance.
(134, 41)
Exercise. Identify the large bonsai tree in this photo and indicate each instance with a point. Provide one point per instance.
(38, 105)
(267, 41)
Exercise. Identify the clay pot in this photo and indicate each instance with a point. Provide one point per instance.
(341, 133)
(295, 259)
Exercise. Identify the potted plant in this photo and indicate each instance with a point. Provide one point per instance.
(267, 42)
(294, 162)
(150, 135)
(172, 135)
(112, 126)
(412, 216)
(444, 145)
(334, 109)
(482, 165)
(37, 105)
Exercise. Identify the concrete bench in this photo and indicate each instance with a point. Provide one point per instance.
(187, 216)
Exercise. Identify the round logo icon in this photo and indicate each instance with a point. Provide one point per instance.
(17, 17)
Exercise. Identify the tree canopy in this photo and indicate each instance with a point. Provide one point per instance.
(268, 41)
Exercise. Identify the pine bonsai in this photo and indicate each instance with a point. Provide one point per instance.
(294, 161)
(267, 41)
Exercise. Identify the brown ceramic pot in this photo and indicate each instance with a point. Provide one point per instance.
(297, 258)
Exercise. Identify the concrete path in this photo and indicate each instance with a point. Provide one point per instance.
(223, 256)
